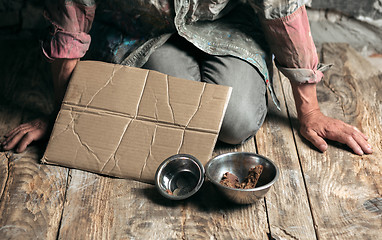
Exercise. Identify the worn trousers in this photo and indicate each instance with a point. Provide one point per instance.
(247, 107)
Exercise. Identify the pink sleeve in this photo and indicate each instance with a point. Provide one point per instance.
(291, 42)
(71, 23)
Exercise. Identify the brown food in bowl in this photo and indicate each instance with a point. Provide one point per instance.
(230, 180)
(250, 181)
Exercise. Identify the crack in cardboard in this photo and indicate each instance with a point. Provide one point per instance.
(110, 80)
(181, 143)
(156, 108)
(67, 126)
(197, 109)
(116, 149)
(149, 154)
(80, 141)
(143, 90)
(168, 99)
(76, 108)
(95, 110)
(199, 105)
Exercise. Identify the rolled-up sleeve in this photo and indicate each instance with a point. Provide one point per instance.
(287, 30)
(71, 21)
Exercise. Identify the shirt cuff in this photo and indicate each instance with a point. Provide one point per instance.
(304, 75)
(66, 45)
(291, 42)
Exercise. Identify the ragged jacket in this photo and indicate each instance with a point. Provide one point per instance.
(253, 30)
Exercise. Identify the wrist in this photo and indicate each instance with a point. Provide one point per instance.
(62, 69)
(305, 97)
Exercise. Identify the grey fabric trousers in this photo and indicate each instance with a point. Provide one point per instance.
(247, 107)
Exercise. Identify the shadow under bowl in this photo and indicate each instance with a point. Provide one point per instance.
(239, 163)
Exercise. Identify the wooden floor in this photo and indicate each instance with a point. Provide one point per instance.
(335, 195)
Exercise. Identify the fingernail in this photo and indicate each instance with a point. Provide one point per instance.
(323, 147)
(369, 150)
(359, 152)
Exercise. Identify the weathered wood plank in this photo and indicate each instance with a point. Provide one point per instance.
(209, 216)
(32, 194)
(289, 216)
(99, 207)
(31, 203)
(6, 123)
(345, 189)
(140, 212)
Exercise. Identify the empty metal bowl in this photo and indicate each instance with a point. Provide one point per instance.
(239, 163)
(179, 176)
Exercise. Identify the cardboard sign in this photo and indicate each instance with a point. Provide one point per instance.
(123, 121)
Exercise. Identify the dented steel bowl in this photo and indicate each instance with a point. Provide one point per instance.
(179, 177)
(239, 163)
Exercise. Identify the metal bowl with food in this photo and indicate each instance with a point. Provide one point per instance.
(239, 164)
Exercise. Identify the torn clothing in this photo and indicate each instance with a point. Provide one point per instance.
(128, 32)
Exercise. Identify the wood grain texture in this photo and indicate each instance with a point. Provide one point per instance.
(289, 216)
(99, 207)
(32, 200)
(8, 120)
(344, 187)
(210, 216)
(32, 195)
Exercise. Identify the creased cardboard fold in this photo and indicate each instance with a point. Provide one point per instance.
(123, 121)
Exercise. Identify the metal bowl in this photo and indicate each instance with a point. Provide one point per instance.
(179, 176)
(239, 163)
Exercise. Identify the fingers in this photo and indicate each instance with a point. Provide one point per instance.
(12, 141)
(349, 140)
(17, 129)
(21, 138)
(24, 134)
(316, 140)
(361, 133)
(328, 128)
(362, 143)
(353, 138)
(26, 140)
(17, 133)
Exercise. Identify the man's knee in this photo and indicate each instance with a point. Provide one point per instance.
(244, 124)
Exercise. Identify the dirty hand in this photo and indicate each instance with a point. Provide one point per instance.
(316, 127)
(39, 128)
(24, 134)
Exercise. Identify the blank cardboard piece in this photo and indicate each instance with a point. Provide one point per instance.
(122, 121)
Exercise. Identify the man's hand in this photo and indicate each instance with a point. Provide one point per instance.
(37, 129)
(316, 127)
(26, 133)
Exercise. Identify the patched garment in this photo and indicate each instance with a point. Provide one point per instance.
(128, 31)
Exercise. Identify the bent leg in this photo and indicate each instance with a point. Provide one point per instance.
(177, 58)
(247, 107)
